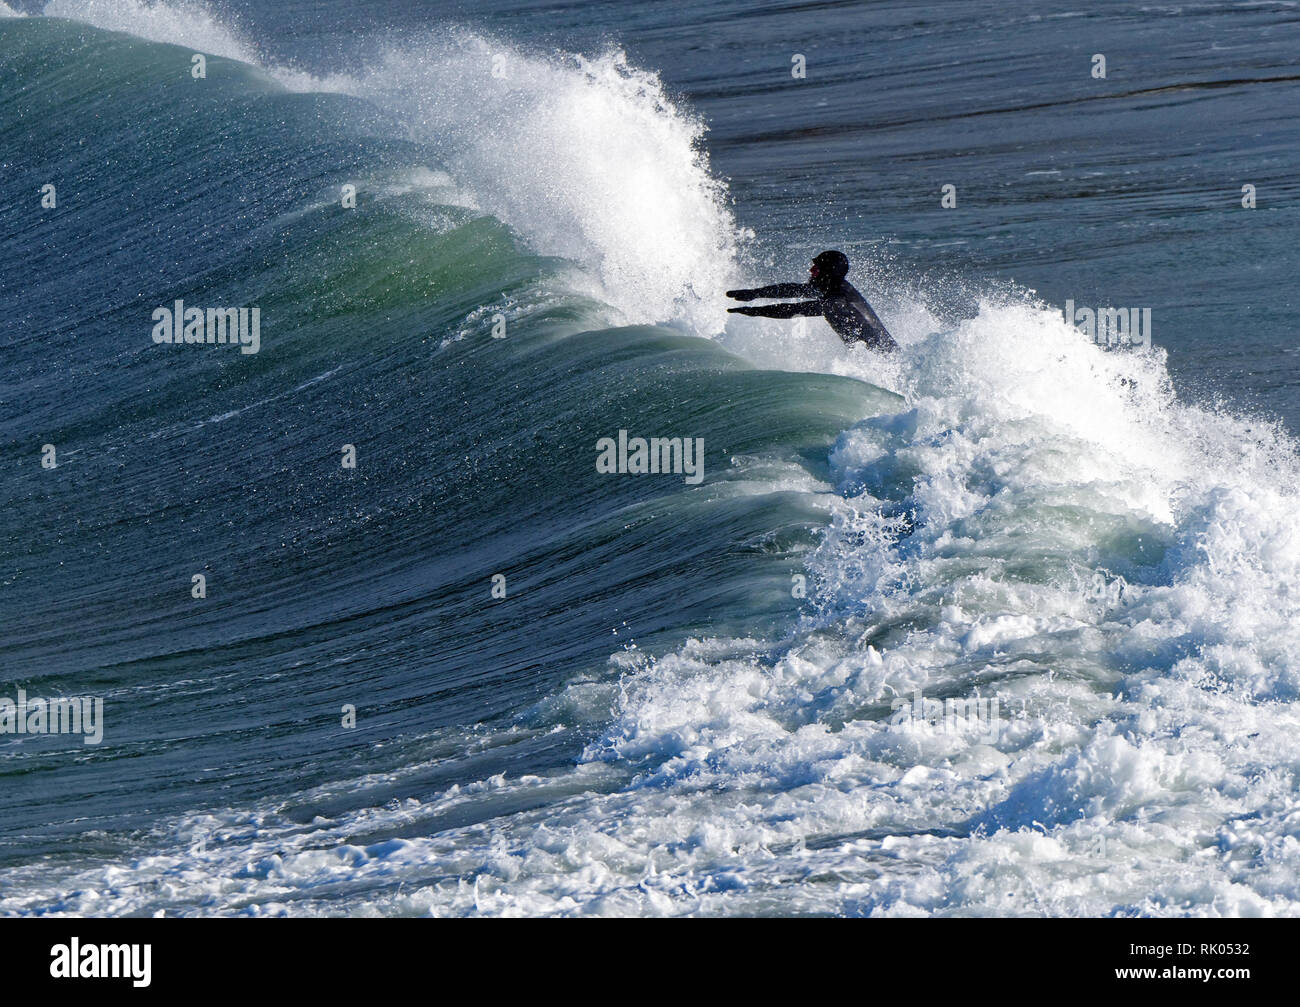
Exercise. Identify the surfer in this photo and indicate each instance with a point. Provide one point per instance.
(833, 297)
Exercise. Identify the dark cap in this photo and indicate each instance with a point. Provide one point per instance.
(831, 264)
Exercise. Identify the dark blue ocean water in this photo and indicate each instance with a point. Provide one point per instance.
(693, 697)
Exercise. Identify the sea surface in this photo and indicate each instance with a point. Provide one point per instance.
(474, 675)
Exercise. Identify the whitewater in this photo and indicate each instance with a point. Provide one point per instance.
(1001, 509)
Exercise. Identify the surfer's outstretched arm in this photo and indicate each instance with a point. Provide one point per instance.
(775, 290)
(787, 310)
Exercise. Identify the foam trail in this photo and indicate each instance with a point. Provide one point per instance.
(178, 23)
(189, 24)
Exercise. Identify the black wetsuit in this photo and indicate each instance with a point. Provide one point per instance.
(840, 304)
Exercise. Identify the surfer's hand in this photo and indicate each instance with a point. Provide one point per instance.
(739, 311)
(740, 295)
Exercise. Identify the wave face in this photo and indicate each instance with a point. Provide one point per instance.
(694, 698)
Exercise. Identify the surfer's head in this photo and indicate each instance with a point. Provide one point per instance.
(828, 268)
